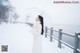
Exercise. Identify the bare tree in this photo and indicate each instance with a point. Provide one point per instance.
(12, 15)
(5, 10)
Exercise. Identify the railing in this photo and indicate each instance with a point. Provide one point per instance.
(59, 39)
(30, 24)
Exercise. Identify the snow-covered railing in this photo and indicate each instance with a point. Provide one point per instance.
(30, 24)
(59, 39)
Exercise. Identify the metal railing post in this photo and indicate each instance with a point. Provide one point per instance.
(51, 34)
(59, 38)
(76, 43)
(46, 30)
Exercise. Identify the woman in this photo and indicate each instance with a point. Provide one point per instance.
(37, 31)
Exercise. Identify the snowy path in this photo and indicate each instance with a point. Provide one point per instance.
(19, 40)
(17, 37)
(52, 47)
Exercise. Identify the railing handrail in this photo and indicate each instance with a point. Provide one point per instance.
(59, 39)
(64, 33)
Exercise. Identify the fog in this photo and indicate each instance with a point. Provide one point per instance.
(57, 13)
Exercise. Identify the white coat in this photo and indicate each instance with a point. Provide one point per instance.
(37, 40)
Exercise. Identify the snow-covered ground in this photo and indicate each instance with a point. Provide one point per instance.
(52, 47)
(17, 37)
(20, 40)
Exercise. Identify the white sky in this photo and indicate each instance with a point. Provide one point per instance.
(59, 13)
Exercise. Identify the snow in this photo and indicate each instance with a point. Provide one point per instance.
(17, 37)
(52, 47)
(20, 40)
